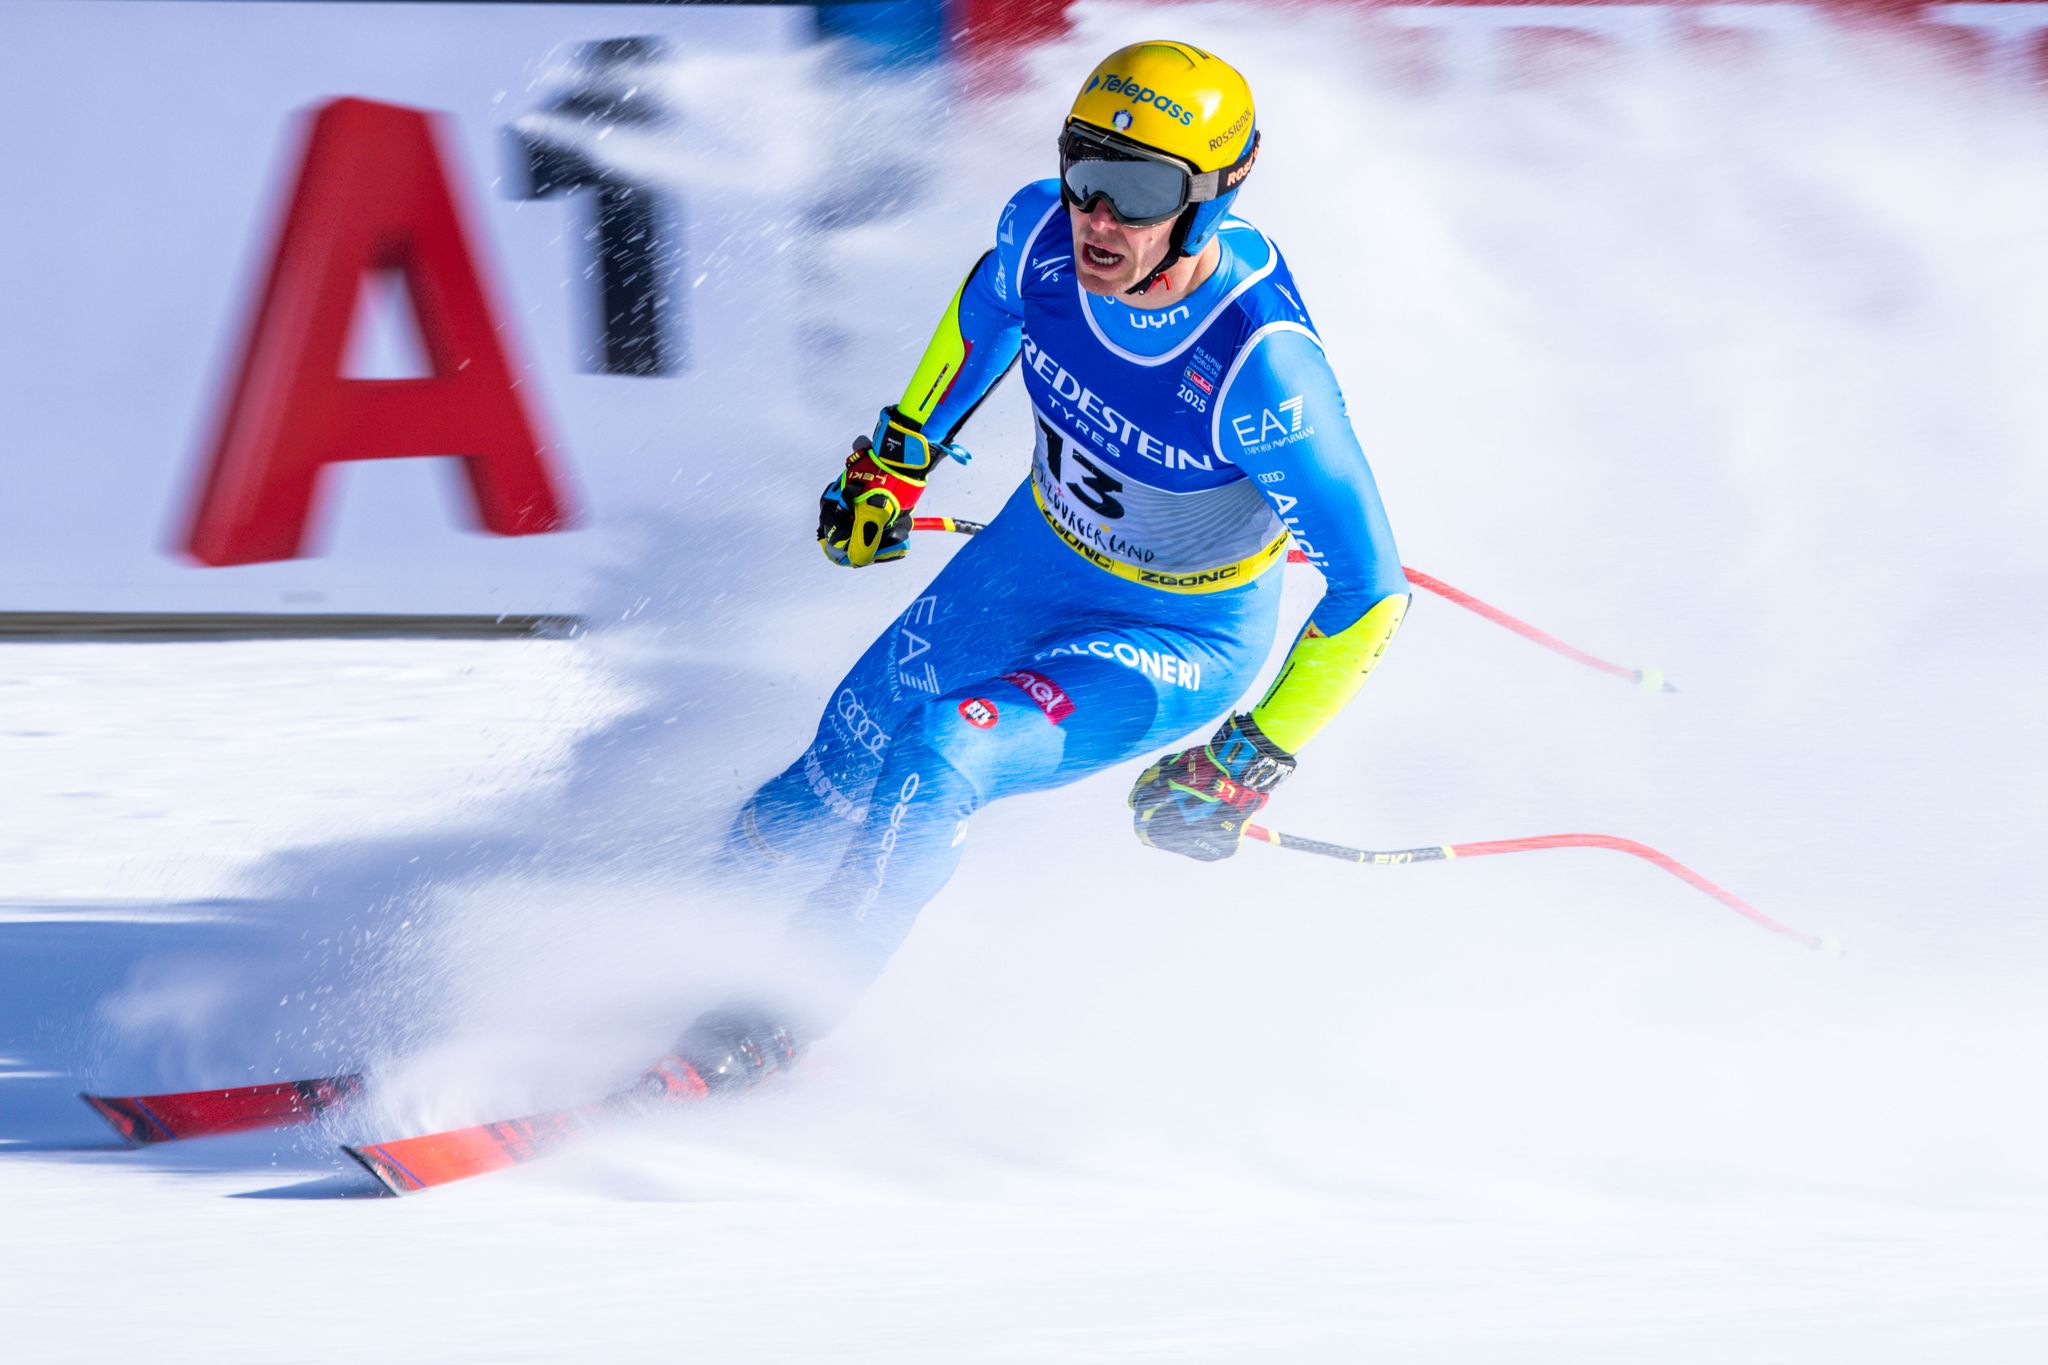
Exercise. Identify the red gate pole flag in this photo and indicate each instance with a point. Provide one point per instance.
(373, 194)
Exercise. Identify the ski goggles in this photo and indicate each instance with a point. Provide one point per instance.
(1141, 186)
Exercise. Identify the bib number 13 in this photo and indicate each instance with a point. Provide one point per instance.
(1093, 486)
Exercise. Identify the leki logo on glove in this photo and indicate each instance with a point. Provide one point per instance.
(979, 712)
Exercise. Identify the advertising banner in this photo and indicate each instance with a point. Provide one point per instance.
(319, 308)
(227, 297)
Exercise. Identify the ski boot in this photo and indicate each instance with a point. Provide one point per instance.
(724, 1052)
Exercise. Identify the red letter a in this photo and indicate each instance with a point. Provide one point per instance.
(372, 195)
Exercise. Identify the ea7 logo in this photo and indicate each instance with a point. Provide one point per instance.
(1276, 423)
(922, 612)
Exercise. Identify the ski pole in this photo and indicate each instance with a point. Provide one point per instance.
(1649, 679)
(1445, 852)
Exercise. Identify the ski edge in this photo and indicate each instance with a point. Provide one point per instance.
(129, 1118)
(389, 1174)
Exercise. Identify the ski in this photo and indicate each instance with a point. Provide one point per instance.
(409, 1165)
(146, 1119)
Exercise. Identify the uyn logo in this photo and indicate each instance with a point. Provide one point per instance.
(1142, 318)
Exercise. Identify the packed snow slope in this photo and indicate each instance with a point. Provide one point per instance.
(1732, 375)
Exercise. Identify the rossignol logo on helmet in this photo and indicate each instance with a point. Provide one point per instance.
(1235, 176)
(1231, 132)
(1142, 94)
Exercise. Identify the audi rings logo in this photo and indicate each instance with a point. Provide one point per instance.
(860, 727)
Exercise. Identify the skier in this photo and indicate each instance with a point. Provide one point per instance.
(1188, 429)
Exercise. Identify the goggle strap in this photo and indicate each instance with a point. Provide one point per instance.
(1215, 184)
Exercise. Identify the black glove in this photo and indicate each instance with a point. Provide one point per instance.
(1196, 802)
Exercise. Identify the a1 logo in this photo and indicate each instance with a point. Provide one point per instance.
(978, 712)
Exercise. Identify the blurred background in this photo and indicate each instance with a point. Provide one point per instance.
(667, 206)
(1707, 336)
(640, 189)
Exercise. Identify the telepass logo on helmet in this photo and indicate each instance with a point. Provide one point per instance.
(1140, 94)
(1181, 101)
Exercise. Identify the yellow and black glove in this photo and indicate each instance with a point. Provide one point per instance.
(864, 516)
(1196, 802)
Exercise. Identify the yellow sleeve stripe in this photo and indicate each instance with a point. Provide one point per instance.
(1323, 672)
(943, 357)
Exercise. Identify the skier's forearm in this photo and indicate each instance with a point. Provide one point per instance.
(975, 343)
(1281, 418)
(1323, 672)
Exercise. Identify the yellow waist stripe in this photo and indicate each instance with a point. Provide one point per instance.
(1218, 579)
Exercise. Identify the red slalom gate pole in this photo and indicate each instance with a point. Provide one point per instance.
(1447, 852)
(1649, 679)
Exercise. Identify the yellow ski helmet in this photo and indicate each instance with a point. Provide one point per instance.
(1161, 130)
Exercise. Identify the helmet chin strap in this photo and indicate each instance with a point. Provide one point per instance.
(1158, 278)
(1176, 252)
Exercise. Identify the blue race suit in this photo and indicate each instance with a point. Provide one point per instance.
(1120, 600)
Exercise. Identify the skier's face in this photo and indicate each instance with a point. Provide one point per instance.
(1110, 257)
